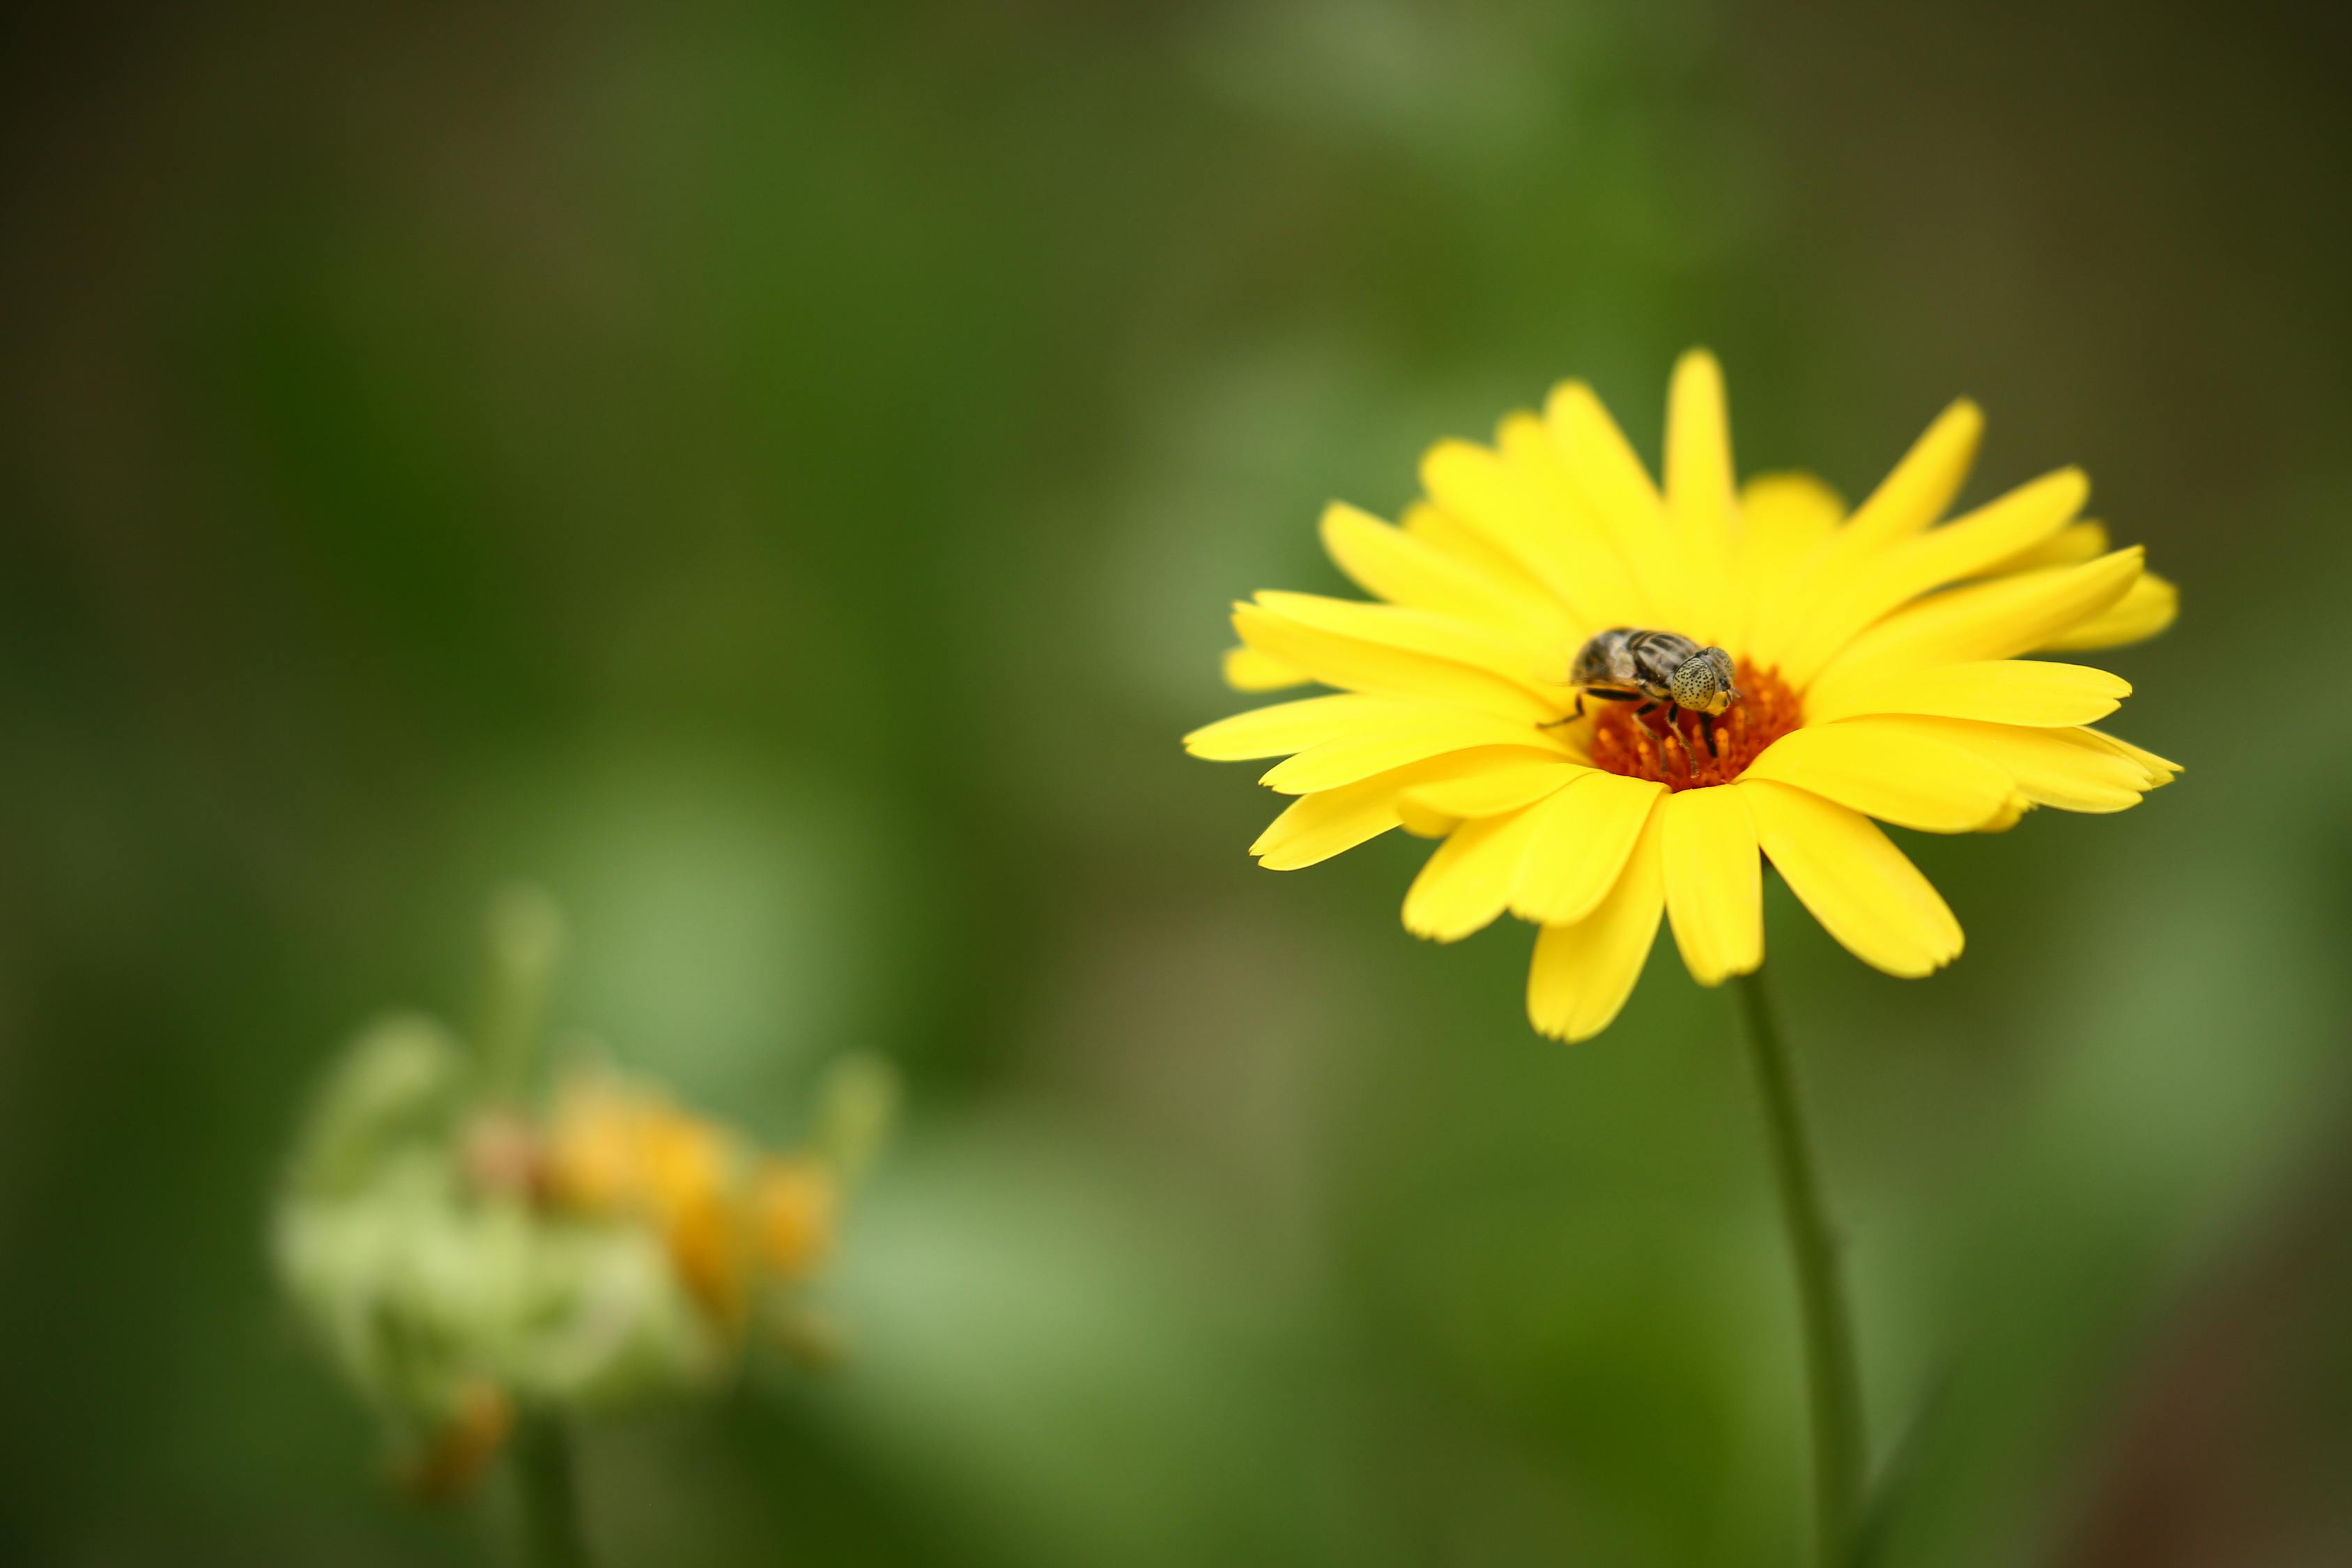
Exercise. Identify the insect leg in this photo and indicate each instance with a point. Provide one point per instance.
(1565, 718)
(1673, 728)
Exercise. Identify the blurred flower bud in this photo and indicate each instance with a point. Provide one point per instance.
(399, 1078)
(856, 1105)
(465, 1256)
(595, 1154)
(620, 1150)
(501, 1154)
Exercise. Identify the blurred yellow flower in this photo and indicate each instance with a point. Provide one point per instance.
(625, 1151)
(1878, 654)
(793, 1204)
(482, 1262)
(620, 1149)
(595, 1145)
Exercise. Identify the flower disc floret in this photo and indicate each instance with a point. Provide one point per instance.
(1689, 752)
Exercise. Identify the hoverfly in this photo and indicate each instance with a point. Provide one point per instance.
(1624, 664)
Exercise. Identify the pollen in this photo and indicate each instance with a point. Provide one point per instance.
(1684, 755)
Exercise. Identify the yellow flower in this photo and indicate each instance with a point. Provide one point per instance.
(729, 1217)
(1878, 656)
(616, 1151)
(794, 1204)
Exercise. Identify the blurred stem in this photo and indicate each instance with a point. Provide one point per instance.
(1832, 1379)
(526, 931)
(549, 1493)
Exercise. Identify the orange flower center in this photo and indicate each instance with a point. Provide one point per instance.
(1684, 754)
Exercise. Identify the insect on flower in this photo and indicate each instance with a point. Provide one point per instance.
(1624, 665)
(1819, 670)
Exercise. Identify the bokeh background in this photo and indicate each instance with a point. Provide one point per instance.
(775, 474)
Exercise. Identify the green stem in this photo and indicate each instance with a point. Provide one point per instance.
(1832, 1379)
(526, 933)
(549, 1495)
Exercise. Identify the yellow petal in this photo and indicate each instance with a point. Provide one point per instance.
(1246, 669)
(1990, 620)
(2144, 610)
(2070, 546)
(1316, 826)
(1602, 463)
(1475, 484)
(1596, 581)
(1700, 502)
(1458, 540)
(2157, 771)
(2004, 692)
(1888, 769)
(1862, 890)
(1375, 662)
(1468, 881)
(2010, 815)
(1582, 837)
(1790, 510)
(1288, 727)
(1497, 790)
(1842, 602)
(1905, 502)
(1406, 738)
(1393, 564)
(1403, 626)
(2073, 770)
(1714, 887)
(1421, 821)
(1583, 973)
(1916, 491)
(1783, 520)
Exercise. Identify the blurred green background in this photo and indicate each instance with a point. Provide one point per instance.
(776, 476)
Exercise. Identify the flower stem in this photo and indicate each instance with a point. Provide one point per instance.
(549, 1495)
(1833, 1381)
(526, 933)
